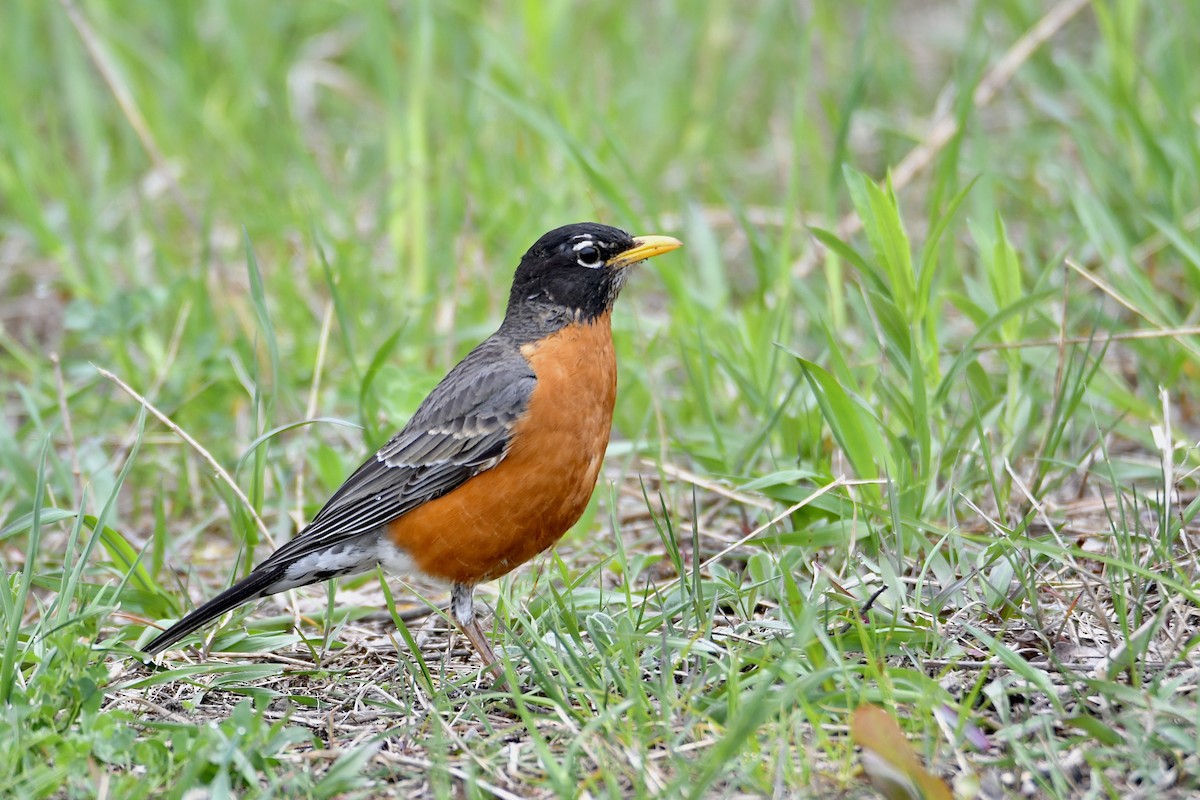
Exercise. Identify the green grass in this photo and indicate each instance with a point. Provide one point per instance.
(970, 391)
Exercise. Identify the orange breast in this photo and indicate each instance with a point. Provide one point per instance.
(505, 516)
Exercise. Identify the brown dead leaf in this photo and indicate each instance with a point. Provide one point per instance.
(889, 760)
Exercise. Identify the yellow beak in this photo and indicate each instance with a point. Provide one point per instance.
(644, 247)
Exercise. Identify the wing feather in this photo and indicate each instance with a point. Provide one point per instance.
(463, 427)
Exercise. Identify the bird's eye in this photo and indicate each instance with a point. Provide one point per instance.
(587, 256)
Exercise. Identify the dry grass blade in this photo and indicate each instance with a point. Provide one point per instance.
(128, 107)
(775, 520)
(221, 472)
(1124, 336)
(686, 475)
(946, 126)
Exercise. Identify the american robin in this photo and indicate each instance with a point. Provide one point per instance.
(497, 462)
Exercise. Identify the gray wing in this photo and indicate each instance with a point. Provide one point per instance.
(461, 429)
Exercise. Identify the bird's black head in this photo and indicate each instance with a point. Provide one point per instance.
(577, 270)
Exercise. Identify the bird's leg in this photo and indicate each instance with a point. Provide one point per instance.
(462, 608)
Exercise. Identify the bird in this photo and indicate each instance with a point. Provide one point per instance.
(497, 462)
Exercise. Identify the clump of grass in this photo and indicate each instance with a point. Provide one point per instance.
(909, 426)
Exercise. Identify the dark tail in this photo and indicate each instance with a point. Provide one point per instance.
(256, 584)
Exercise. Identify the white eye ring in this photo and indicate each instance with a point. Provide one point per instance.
(586, 254)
